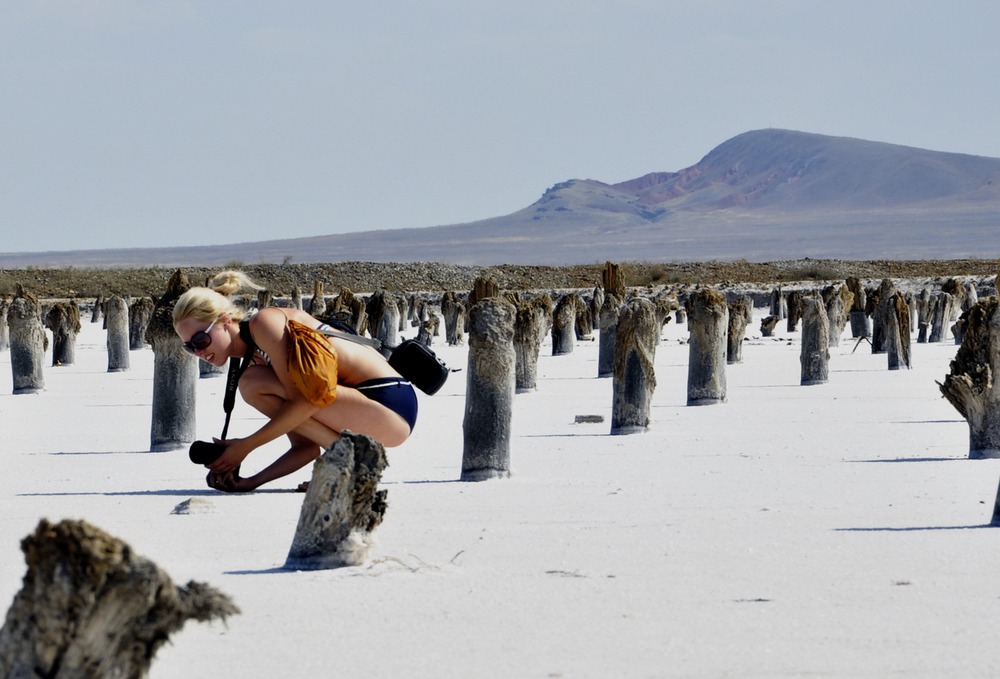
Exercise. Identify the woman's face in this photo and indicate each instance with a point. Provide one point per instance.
(208, 341)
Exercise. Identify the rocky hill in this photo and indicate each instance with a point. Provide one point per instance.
(762, 196)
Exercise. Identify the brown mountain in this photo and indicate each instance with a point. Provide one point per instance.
(763, 195)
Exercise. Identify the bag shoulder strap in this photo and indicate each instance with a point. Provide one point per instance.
(357, 339)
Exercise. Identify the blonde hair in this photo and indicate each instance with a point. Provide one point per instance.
(212, 301)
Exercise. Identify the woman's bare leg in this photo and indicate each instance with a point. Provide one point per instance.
(351, 410)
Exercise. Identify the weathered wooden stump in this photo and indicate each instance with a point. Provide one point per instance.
(875, 312)
(63, 320)
(665, 305)
(779, 305)
(767, 325)
(942, 308)
(608, 335)
(90, 607)
(544, 308)
(139, 314)
(175, 375)
(317, 303)
(634, 377)
(383, 318)
(353, 305)
(859, 319)
(4, 327)
(489, 391)
(342, 507)
(453, 312)
(265, 299)
(97, 313)
(427, 330)
(708, 323)
(794, 302)
(596, 303)
(27, 342)
(815, 354)
(296, 300)
(564, 325)
(971, 386)
(740, 315)
(838, 299)
(116, 319)
(527, 344)
(895, 315)
(584, 325)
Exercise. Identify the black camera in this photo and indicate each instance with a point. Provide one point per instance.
(205, 452)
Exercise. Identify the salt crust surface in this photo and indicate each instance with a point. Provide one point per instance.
(833, 530)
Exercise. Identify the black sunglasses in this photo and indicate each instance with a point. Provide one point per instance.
(200, 340)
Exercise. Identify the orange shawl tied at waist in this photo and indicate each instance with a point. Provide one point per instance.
(312, 364)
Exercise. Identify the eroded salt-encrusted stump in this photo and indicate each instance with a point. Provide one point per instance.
(634, 377)
(972, 385)
(815, 353)
(527, 345)
(342, 507)
(63, 319)
(740, 314)
(708, 322)
(116, 318)
(175, 375)
(139, 314)
(90, 608)
(608, 336)
(489, 393)
(27, 342)
(564, 325)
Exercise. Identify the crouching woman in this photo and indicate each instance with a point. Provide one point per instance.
(310, 386)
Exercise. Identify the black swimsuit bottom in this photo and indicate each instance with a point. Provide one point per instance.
(394, 393)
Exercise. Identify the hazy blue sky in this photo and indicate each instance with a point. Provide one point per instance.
(171, 122)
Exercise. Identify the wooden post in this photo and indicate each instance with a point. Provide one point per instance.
(63, 319)
(383, 318)
(779, 305)
(740, 314)
(489, 391)
(815, 354)
(4, 327)
(97, 314)
(608, 336)
(90, 607)
(584, 325)
(708, 322)
(838, 299)
(116, 318)
(894, 315)
(971, 386)
(527, 344)
(794, 302)
(767, 325)
(296, 297)
(859, 319)
(634, 377)
(596, 304)
(139, 314)
(342, 507)
(317, 304)
(175, 375)
(942, 308)
(874, 310)
(27, 342)
(564, 325)
(454, 318)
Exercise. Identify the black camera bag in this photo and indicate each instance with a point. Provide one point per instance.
(419, 365)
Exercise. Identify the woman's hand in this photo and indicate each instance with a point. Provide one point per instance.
(236, 451)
